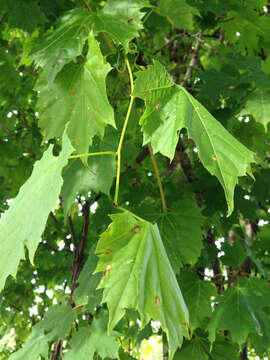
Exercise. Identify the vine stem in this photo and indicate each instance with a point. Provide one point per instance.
(92, 154)
(164, 206)
(118, 153)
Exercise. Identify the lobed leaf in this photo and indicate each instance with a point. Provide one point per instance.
(138, 275)
(93, 339)
(77, 96)
(258, 105)
(24, 222)
(169, 108)
(63, 44)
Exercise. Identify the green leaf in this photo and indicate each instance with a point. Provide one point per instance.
(77, 96)
(87, 291)
(197, 294)
(138, 275)
(58, 321)
(224, 350)
(23, 224)
(179, 13)
(94, 338)
(258, 105)
(181, 230)
(97, 176)
(63, 44)
(169, 108)
(25, 15)
(234, 254)
(195, 349)
(240, 310)
(121, 19)
(56, 324)
(35, 346)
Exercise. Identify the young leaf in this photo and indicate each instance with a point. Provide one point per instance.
(24, 222)
(171, 108)
(240, 311)
(62, 45)
(77, 96)
(180, 229)
(138, 275)
(93, 339)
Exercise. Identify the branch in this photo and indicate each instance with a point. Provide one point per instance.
(193, 60)
(72, 232)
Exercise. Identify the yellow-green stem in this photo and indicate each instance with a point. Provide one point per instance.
(123, 134)
(92, 154)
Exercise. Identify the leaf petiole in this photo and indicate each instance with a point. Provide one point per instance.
(92, 154)
(118, 153)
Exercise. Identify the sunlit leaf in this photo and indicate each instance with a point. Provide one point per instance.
(138, 275)
(169, 108)
(77, 96)
(23, 224)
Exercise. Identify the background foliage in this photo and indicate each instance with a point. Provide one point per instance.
(163, 234)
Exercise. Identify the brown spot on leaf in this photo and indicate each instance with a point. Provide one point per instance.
(136, 229)
(157, 301)
(214, 158)
(157, 106)
(44, 106)
(108, 251)
(108, 228)
(196, 107)
(72, 93)
(231, 87)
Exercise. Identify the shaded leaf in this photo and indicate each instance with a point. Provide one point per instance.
(138, 275)
(240, 310)
(169, 108)
(179, 13)
(181, 230)
(56, 324)
(195, 349)
(25, 15)
(35, 346)
(197, 294)
(224, 350)
(258, 105)
(24, 222)
(87, 291)
(88, 340)
(234, 254)
(57, 321)
(97, 176)
(77, 96)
